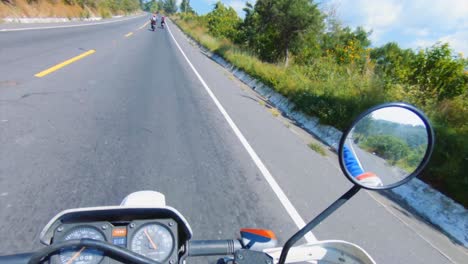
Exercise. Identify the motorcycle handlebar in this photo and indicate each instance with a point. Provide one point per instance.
(213, 247)
(196, 248)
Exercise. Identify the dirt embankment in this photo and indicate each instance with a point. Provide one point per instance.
(11, 10)
(24, 9)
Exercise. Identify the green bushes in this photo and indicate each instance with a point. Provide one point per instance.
(223, 21)
(104, 12)
(388, 147)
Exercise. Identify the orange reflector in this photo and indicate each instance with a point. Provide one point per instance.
(119, 232)
(261, 232)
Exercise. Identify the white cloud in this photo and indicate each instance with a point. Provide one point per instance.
(436, 14)
(238, 5)
(419, 32)
(412, 23)
(422, 43)
(380, 14)
(458, 41)
(368, 13)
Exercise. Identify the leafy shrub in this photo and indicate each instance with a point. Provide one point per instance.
(388, 147)
(105, 13)
(223, 21)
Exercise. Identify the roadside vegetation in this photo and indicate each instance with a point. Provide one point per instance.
(317, 148)
(401, 145)
(332, 72)
(166, 6)
(67, 8)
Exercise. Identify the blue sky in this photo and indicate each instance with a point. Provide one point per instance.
(411, 23)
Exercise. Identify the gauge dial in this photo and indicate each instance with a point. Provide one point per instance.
(82, 255)
(153, 241)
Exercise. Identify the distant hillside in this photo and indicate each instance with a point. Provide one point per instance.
(66, 8)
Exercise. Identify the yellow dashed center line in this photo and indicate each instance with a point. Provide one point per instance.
(129, 34)
(144, 25)
(63, 64)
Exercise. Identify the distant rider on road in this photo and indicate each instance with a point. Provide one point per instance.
(153, 20)
(163, 22)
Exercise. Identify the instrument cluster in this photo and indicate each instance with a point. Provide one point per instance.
(155, 239)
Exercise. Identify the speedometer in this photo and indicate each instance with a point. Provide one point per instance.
(82, 255)
(153, 241)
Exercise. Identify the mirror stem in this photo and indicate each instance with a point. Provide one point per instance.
(317, 220)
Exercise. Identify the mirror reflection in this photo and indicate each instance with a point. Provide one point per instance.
(385, 147)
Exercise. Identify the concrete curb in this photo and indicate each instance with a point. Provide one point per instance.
(430, 204)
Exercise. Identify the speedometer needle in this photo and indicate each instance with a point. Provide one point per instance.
(77, 254)
(150, 240)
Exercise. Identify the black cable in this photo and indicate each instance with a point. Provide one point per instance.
(118, 253)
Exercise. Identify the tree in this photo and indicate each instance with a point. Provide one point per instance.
(248, 26)
(152, 6)
(129, 5)
(279, 24)
(388, 147)
(223, 21)
(345, 45)
(438, 74)
(307, 47)
(185, 7)
(392, 62)
(170, 6)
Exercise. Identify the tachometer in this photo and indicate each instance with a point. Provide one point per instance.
(82, 255)
(153, 241)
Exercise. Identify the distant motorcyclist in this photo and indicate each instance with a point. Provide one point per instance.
(153, 20)
(163, 21)
(354, 167)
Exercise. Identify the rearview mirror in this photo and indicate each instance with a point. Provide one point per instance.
(386, 146)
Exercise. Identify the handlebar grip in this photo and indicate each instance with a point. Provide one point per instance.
(213, 247)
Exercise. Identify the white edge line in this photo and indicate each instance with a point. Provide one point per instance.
(266, 174)
(68, 26)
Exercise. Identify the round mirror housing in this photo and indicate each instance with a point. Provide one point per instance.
(386, 146)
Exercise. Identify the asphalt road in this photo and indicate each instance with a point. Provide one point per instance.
(134, 116)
